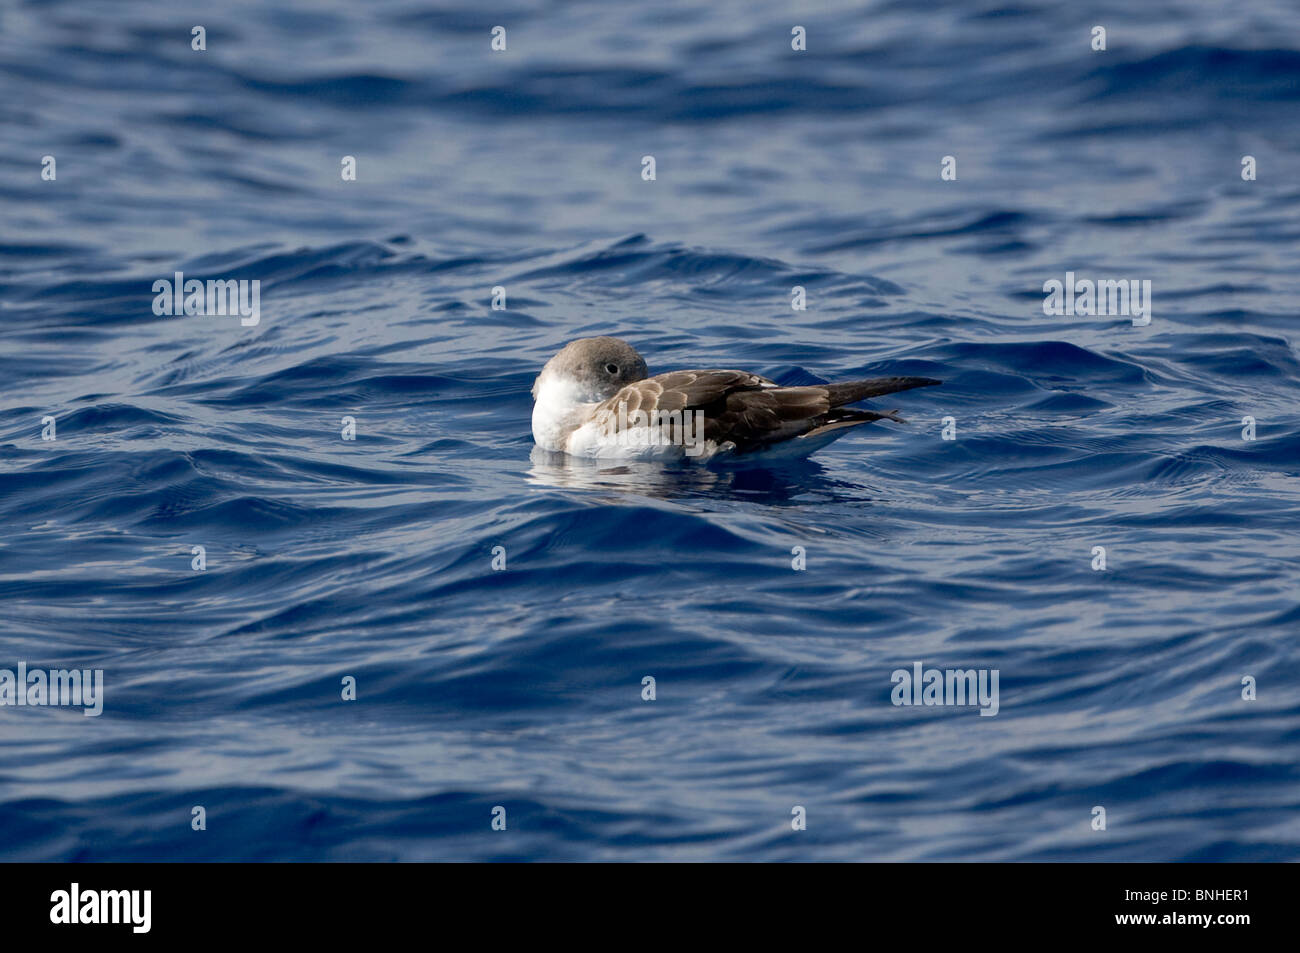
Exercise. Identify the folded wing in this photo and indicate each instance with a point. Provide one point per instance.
(745, 409)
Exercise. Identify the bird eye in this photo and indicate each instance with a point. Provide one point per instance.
(611, 368)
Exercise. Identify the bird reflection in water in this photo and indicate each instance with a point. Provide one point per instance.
(794, 482)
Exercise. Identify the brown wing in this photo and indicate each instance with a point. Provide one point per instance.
(746, 409)
(684, 390)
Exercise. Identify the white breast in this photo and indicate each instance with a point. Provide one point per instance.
(559, 411)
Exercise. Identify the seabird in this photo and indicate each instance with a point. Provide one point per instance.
(595, 398)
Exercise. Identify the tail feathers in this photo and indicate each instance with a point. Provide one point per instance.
(869, 415)
(851, 392)
(844, 419)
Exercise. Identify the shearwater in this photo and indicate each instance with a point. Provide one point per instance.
(595, 398)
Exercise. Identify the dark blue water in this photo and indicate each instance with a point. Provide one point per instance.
(521, 688)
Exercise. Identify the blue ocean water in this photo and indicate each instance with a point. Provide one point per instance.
(522, 687)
